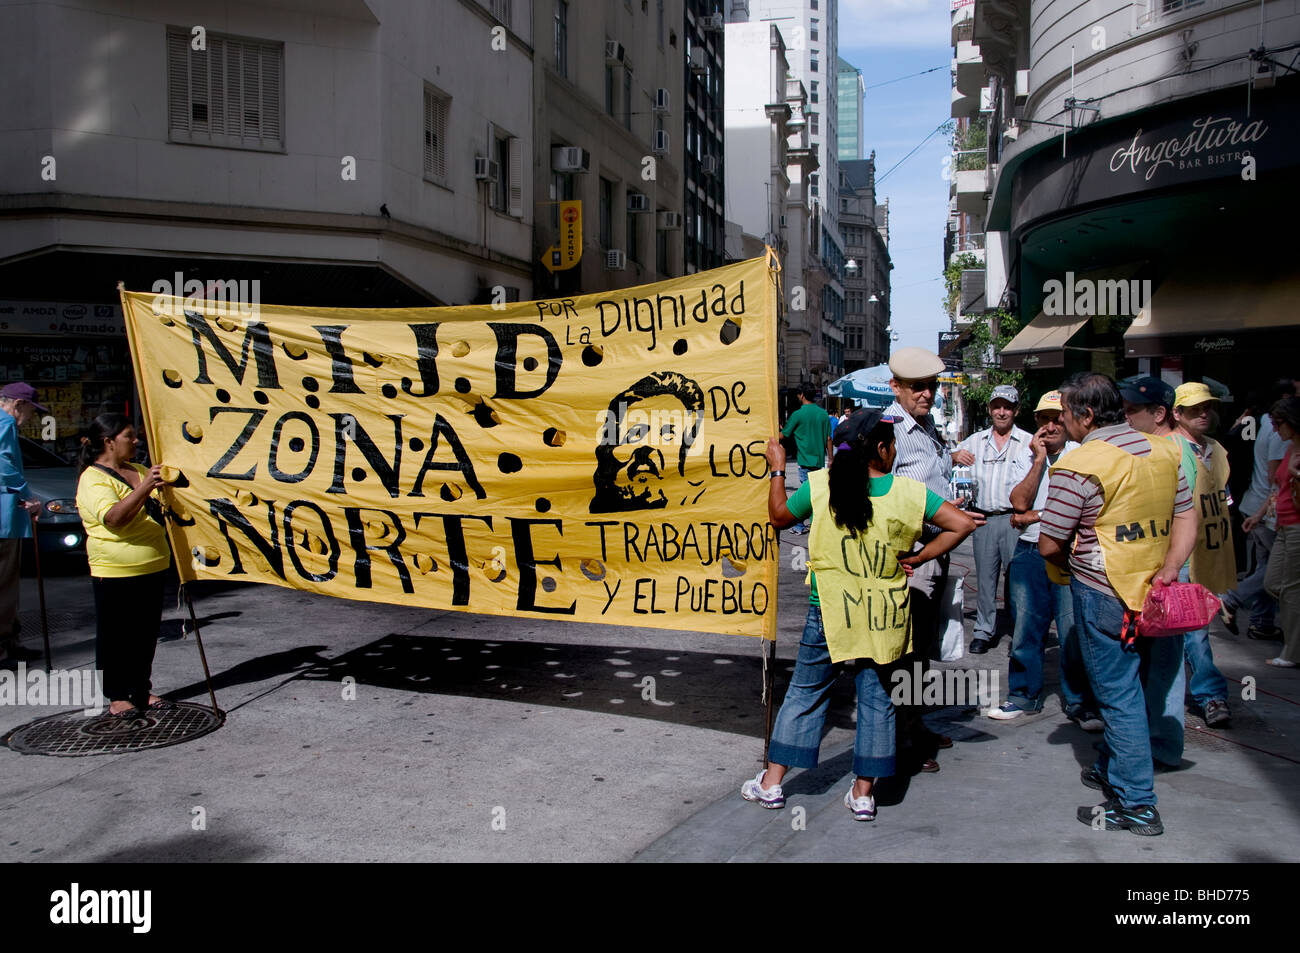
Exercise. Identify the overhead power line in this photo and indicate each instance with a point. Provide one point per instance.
(937, 128)
(908, 76)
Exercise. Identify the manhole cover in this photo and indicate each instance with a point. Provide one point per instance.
(73, 734)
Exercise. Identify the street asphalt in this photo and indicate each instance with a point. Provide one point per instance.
(360, 732)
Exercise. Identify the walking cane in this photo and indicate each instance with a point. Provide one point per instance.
(769, 685)
(203, 656)
(40, 587)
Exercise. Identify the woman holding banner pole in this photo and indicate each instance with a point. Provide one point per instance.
(129, 559)
(864, 522)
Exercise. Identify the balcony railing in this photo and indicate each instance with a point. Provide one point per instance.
(970, 160)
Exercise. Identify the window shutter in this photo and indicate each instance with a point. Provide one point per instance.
(200, 103)
(435, 135)
(218, 107)
(516, 176)
(271, 67)
(229, 94)
(430, 140)
(251, 90)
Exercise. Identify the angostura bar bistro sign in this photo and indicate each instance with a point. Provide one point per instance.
(1211, 140)
(1175, 145)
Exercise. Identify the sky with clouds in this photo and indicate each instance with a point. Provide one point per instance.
(889, 39)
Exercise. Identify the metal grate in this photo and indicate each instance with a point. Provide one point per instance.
(72, 734)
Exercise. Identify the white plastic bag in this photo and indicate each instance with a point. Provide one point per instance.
(952, 618)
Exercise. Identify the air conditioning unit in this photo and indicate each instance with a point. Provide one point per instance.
(669, 221)
(638, 202)
(709, 165)
(615, 260)
(485, 169)
(613, 51)
(661, 100)
(570, 159)
(711, 23)
(699, 61)
(1022, 85)
(661, 141)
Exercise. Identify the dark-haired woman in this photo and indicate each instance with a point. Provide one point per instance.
(1283, 577)
(864, 522)
(129, 558)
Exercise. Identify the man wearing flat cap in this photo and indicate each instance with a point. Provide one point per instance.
(999, 458)
(922, 455)
(17, 406)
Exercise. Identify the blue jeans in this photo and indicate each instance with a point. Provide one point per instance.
(1205, 681)
(803, 525)
(797, 735)
(1124, 758)
(1036, 601)
(1164, 682)
(1250, 591)
(994, 544)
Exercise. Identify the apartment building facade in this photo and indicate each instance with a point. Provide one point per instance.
(610, 131)
(341, 153)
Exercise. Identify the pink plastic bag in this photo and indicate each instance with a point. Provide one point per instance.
(1177, 608)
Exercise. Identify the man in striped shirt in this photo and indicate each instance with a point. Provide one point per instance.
(999, 458)
(1093, 486)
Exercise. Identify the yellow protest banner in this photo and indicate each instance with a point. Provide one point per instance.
(598, 458)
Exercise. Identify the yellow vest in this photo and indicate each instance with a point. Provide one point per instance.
(866, 605)
(1137, 510)
(1214, 561)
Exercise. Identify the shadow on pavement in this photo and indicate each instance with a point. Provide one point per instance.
(706, 690)
(259, 669)
(187, 848)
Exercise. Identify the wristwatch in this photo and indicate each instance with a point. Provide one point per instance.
(777, 473)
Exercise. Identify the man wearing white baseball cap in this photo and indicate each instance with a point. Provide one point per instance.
(999, 458)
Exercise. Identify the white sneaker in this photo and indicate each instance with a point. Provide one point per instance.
(1006, 711)
(770, 798)
(863, 808)
(1280, 662)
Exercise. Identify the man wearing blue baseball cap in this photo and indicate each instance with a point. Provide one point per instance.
(1148, 405)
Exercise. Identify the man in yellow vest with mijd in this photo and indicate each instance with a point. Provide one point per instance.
(1119, 515)
(1213, 563)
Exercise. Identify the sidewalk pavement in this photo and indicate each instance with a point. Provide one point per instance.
(465, 724)
(1007, 791)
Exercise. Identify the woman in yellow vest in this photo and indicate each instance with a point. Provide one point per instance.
(129, 559)
(864, 522)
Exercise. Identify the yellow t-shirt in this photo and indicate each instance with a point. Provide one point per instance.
(136, 549)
